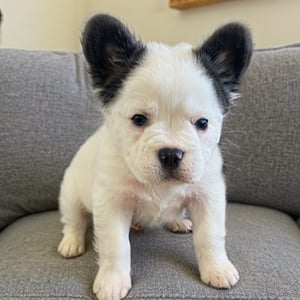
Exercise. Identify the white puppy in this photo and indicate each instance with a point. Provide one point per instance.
(156, 153)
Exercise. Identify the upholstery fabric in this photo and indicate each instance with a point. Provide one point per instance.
(46, 113)
(261, 135)
(263, 244)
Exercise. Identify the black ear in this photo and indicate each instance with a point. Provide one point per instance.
(111, 51)
(226, 55)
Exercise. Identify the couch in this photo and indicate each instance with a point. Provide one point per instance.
(47, 111)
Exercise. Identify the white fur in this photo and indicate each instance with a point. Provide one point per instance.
(116, 175)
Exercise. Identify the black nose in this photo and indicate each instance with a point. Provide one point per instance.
(170, 157)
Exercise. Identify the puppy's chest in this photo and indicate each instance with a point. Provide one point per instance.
(156, 207)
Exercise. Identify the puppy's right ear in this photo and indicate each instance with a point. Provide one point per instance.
(111, 51)
(226, 55)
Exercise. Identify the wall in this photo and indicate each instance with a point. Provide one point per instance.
(56, 24)
(273, 22)
(42, 24)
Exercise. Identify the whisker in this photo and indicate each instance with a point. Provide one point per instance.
(229, 142)
(232, 167)
(231, 153)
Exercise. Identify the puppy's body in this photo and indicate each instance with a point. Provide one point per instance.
(156, 153)
(151, 205)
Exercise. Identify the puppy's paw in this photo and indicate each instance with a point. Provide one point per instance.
(223, 275)
(179, 226)
(111, 285)
(71, 246)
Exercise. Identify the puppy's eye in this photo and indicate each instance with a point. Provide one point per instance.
(201, 124)
(139, 120)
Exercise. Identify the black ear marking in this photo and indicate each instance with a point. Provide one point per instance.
(111, 51)
(226, 56)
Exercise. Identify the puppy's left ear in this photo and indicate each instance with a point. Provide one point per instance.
(226, 55)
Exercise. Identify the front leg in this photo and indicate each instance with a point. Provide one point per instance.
(112, 224)
(208, 218)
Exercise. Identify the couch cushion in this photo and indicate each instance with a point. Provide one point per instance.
(261, 138)
(264, 245)
(46, 112)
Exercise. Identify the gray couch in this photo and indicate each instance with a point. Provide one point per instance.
(47, 111)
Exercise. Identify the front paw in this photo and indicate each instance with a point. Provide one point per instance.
(179, 226)
(112, 284)
(220, 275)
(71, 246)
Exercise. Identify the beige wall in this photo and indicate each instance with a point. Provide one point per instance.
(273, 22)
(42, 24)
(56, 24)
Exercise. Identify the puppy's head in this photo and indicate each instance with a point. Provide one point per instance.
(164, 105)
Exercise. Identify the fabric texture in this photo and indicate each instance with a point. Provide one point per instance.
(263, 244)
(261, 137)
(46, 113)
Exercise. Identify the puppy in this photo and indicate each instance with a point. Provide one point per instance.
(157, 152)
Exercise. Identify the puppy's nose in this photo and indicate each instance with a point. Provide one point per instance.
(170, 157)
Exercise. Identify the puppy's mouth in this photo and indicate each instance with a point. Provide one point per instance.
(174, 175)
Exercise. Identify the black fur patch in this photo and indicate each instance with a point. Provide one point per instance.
(226, 56)
(112, 51)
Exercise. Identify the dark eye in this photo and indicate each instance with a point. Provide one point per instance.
(201, 124)
(139, 120)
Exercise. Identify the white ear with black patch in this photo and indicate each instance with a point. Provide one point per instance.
(226, 54)
(111, 51)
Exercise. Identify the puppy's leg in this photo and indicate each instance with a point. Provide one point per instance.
(112, 225)
(75, 220)
(208, 217)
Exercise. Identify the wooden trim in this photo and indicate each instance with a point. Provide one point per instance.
(183, 4)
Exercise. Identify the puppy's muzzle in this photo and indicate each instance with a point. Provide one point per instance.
(170, 158)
